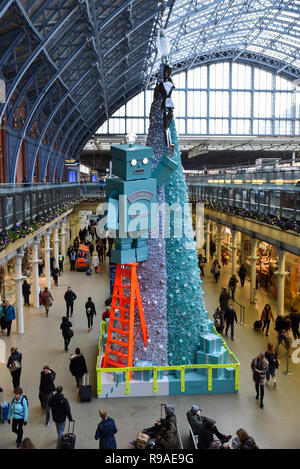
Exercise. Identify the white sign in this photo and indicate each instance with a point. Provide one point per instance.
(2, 91)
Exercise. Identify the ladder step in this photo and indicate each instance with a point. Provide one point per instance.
(122, 308)
(115, 364)
(125, 321)
(120, 354)
(119, 331)
(123, 344)
(123, 286)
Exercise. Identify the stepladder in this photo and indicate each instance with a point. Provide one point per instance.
(126, 308)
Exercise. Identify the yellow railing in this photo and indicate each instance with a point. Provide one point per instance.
(155, 369)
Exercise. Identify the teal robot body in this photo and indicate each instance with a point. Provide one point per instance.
(132, 199)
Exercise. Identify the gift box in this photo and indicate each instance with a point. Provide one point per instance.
(119, 377)
(229, 372)
(217, 358)
(210, 343)
(144, 375)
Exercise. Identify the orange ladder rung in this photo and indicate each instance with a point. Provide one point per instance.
(119, 354)
(115, 364)
(114, 318)
(123, 344)
(119, 331)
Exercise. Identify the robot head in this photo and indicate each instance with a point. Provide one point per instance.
(131, 162)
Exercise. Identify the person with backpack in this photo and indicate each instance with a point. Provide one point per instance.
(46, 390)
(78, 366)
(219, 320)
(90, 313)
(230, 316)
(271, 356)
(26, 292)
(14, 365)
(66, 330)
(232, 285)
(216, 269)
(70, 297)
(9, 314)
(259, 367)
(47, 300)
(60, 408)
(242, 274)
(18, 412)
(105, 431)
(266, 317)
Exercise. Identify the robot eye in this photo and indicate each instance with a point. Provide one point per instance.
(145, 160)
(133, 162)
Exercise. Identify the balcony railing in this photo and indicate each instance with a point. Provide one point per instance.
(20, 203)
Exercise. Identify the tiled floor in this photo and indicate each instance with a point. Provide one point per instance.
(276, 426)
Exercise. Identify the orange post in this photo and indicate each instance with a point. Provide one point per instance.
(120, 335)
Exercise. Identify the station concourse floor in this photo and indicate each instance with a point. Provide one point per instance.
(276, 426)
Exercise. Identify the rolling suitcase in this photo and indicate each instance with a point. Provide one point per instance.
(68, 439)
(257, 325)
(85, 391)
(4, 411)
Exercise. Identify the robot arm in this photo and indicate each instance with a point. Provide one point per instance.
(113, 211)
(164, 169)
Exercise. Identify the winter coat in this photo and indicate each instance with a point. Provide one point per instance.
(232, 283)
(16, 356)
(78, 365)
(219, 318)
(18, 409)
(267, 315)
(95, 261)
(195, 421)
(90, 305)
(272, 359)
(26, 289)
(242, 272)
(167, 439)
(261, 365)
(105, 432)
(60, 408)
(55, 273)
(47, 298)
(9, 313)
(230, 315)
(248, 444)
(205, 437)
(216, 268)
(65, 328)
(224, 299)
(70, 297)
(47, 382)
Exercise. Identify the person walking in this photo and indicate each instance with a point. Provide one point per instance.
(271, 356)
(95, 262)
(47, 300)
(232, 285)
(201, 264)
(259, 367)
(224, 299)
(70, 297)
(73, 257)
(266, 317)
(61, 262)
(67, 332)
(60, 408)
(215, 270)
(295, 320)
(219, 320)
(14, 365)
(18, 412)
(76, 244)
(242, 274)
(2, 318)
(105, 431)
(46, 390)
(55, 275)
(52, 262)
(230, 317)
(90, 313)
(9, 314)
(78, 366)
(26, 292)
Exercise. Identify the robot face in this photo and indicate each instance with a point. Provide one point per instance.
(132, 162)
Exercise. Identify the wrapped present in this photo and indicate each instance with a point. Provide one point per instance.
(229, 372)
(217, 358)
(210, 343)
(144, 375)
(119, 377)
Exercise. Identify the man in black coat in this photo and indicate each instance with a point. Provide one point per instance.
(206, 434)
(224, 299)
(46, 390)
(60, 411)
(26, 292)
(230, 317)
(70, 297)
(78, 366)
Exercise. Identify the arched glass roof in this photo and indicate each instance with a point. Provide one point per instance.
(70, 65)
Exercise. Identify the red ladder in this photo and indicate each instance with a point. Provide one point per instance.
(120, 335)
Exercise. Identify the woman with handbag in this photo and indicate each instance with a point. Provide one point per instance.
(14, 366)
(271, 356)
(47, 300)
(67, 332)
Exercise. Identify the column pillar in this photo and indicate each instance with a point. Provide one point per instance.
(253, 259)
(234, 234)
(219, 239)
(19, 302)
(63, 239)
(56, 243)
(207, 239)
(35, 273)
(281, 273)
(47, 258)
